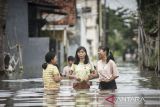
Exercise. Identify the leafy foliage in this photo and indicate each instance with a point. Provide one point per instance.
(148, 10)
(121, 26)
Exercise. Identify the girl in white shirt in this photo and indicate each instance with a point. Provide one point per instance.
(66, 69)
(81, 69)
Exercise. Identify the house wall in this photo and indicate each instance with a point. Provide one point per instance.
(33, 49)
(74, 41)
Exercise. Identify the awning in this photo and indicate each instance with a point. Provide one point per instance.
(54, 27)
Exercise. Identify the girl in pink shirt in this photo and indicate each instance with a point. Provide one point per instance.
(106, 69)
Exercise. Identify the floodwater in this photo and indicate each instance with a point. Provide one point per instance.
(17, 92)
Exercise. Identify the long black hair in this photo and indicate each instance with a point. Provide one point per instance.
(108, 53)
(86, 60)
(48, 57)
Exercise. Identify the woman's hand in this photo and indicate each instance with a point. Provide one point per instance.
(74, 77)
(108, 80)
(90, 77)
(93, 75)
(78, 79)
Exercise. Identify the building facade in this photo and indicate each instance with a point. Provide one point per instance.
(34, 27)
(87, 26)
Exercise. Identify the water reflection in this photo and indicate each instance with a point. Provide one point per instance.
(18, 92)
(150, 81)
(83, 98)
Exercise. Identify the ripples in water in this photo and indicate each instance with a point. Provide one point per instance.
(29, 92)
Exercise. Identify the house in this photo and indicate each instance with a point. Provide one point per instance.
(33, 27)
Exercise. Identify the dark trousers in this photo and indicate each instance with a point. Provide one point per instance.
(107, 85)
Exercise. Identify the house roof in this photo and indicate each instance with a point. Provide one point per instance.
(67, 7)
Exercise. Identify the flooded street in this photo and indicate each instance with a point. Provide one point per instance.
(36, 32)
(17, 92)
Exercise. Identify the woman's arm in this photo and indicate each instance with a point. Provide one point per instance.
(111, 79)
(57, 78)
(71, 76)
(93, 72)
(93, 75)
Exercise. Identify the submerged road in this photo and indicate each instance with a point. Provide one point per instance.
(15, 92)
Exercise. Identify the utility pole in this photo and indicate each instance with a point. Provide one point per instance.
(65, 43)
(83, 29)
(100, 21)
(105, 24)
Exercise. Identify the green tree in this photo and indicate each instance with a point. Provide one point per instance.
(121, 26)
